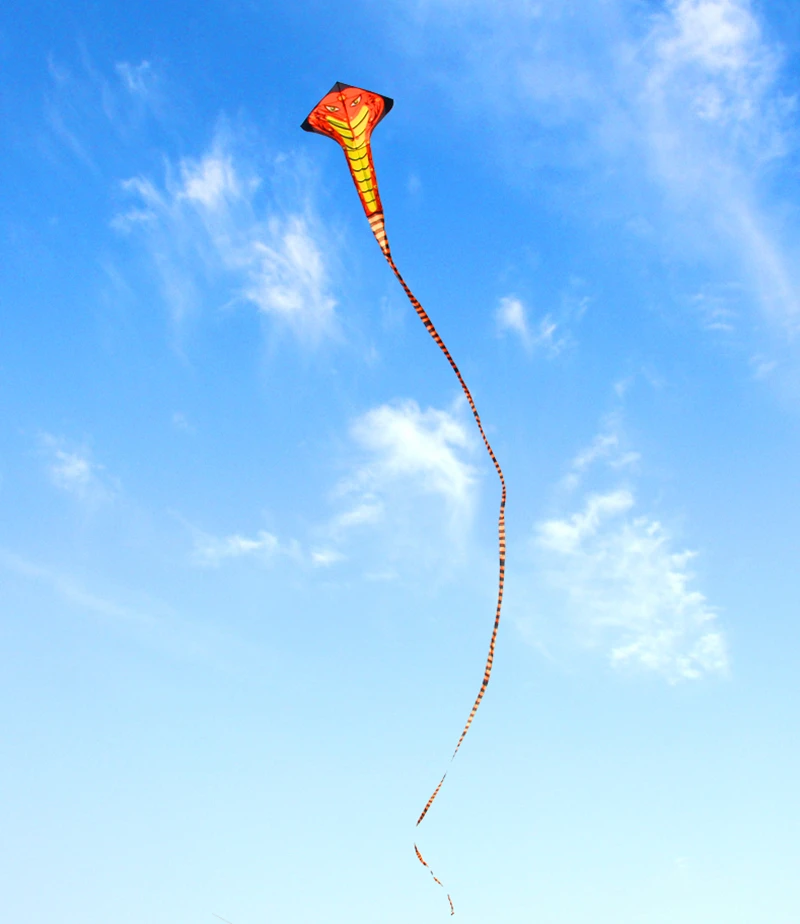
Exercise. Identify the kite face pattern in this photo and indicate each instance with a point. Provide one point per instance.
(348, 115)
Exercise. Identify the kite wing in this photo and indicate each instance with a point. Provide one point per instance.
(348, 115)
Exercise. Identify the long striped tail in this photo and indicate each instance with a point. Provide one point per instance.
(378, 229)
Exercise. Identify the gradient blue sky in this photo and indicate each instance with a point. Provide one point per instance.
(247, 543)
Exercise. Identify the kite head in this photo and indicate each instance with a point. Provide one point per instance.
(348, 115)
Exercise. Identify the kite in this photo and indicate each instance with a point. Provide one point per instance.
(348, 115)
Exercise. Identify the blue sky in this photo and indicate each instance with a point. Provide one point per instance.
(247, 544)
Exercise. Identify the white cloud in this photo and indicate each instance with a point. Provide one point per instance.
(408, 486)
(210, 182)
(762, 366)
(511, 316)
(366, 512)
(632, 590)
(72, 470)
(82, 103)
(567, 536)
(408, 444)
(289, 278)
(212, 551)
(716, 308)
(681, 112)
(138, 79)
(410, 490)
(625, 584)
(603, 445)
(205, 229)
(715, 118)
(323, 558)
(609, 446)
(721, 35)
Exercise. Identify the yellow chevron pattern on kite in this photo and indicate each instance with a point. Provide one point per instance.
(355, 143)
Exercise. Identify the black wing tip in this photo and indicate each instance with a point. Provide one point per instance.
(388, 102)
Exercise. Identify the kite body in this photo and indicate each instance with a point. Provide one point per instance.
(348, 115)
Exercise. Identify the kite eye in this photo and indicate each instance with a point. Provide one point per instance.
(332, 108)
(356, 101)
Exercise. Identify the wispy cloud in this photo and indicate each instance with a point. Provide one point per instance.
(623, 576)
(154, 622)
(210, 223)
(608, 446)
(679, 110)
(716, 119)
(721, 41)
(511, 317)
(82, 103)
(73, 470)
(368, 510)
(324, 558)
(211, 551)
(717, 308)
(409, 482)
(762, 367)
(72, 591)
(625, 583)
(138, 79)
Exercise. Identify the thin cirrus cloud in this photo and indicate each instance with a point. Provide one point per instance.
(72, 470)
(205, 223)
(152, 621)
(716, 120)
(212, 551)
(82, 103)
(138, 79)
(608, 446)
(209, 225)
(511, 317)
(681, 111)
(626, 585)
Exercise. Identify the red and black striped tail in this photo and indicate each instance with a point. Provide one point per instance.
(379, 230)
(437, 881)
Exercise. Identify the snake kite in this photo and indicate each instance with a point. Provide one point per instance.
(348, 115)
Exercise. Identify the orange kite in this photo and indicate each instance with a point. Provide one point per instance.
(348, 115)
